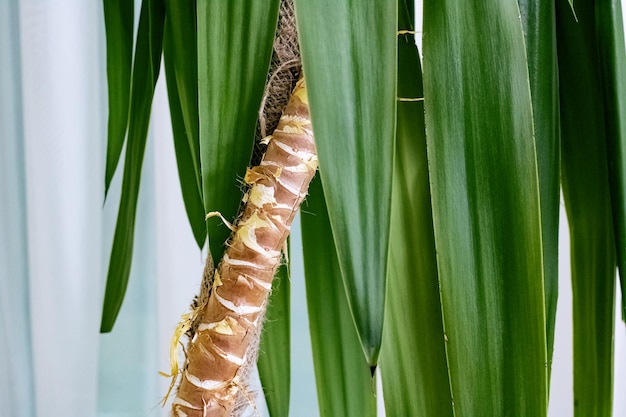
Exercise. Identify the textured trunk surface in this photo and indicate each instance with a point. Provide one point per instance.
(215, 372)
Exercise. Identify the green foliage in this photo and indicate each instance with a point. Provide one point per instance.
(274, 352)
(585, 181)
(413, 358)
(181, 71)
(118, 22)
(234, 46)
(349, 389)
(453, 211)
(540, 34)
(349, 58)
(485, 197)
(610, 44)
(145, 73)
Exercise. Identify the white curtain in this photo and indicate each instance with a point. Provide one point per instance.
(55, 234)
(55, 239)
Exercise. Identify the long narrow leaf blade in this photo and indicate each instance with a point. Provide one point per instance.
(186, 157)
(538, 20)
(145, 74)
(588, 204)
(344, 384)
(118, 24)
(234, 49)
(413, 356)
(610, 32)
(485, 197)
(181, 46)
(349, 58)
(274, 351)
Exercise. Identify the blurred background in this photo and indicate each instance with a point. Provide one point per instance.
(56, 233)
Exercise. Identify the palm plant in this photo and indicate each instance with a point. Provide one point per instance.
(430, 234)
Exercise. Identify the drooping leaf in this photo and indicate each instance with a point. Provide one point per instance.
(145, 73)
(610, 38)
(181, 44)
(186, 156)
(118, 25)
(274, 351)
(349, 58)
(181, 62)
(584, 176)
(344, 383)
(539, 26)
(486, 212)
(413, 357)
(234, 49)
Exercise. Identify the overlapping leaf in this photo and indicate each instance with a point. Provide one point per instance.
(145, 73)
(539, 25)
(349, 57)
(181, 71)
(343, 380)
(610, 40)
(234, 48)
(118, 24)
(486, 212)
(413, 357)
(587, 200)
(274, 352)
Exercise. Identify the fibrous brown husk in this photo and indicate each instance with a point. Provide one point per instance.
(284, 72)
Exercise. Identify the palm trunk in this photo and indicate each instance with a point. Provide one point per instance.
(226, 338)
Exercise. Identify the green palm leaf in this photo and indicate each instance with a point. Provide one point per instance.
(588, 203)
(344, 383)
(186, 156)
(145, 73)
(118, 24)
(181, 42)
(610, 38)
(413, 357)
(539, 25)
(234, 48)
(349, 58)
(274, 351)
(485, 196)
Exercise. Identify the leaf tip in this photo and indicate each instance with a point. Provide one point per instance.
(107, 324)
